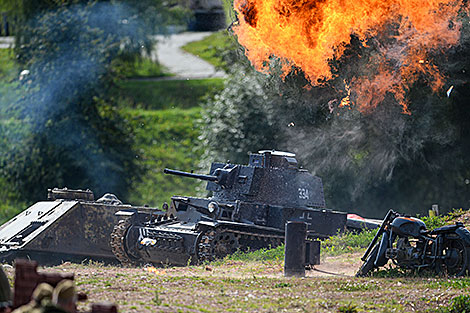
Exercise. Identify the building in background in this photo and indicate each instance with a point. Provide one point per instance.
(209, 15)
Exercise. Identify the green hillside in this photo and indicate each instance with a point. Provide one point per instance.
(163, 138)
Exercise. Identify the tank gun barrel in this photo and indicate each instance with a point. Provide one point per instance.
(192, 175)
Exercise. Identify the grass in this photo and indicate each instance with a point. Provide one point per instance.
(343, 243)
(459, 304)
(234, 288)
(163, 138)
(8, 67)
(167, 94)
(275, 254)
(10, 127)
(142, 67)
(211, 48)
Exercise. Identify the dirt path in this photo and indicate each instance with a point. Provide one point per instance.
(7, 42)
(184, 65)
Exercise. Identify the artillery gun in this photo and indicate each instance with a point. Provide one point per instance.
(249, 208)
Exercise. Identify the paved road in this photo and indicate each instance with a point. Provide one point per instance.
(7, 42)
(169, 53)
(184, 65)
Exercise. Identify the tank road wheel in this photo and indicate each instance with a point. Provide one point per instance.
(368, 264)
(456, 257)
(118, 236)
(225, 243)
(216, 245)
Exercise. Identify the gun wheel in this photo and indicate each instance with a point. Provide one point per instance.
(118, 236)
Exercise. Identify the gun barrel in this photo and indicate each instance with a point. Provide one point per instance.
(186, 174)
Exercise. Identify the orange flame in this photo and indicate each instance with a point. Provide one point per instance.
(154, 270)
(309, 33)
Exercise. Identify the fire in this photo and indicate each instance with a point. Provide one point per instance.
(308, 34)
(154, 270)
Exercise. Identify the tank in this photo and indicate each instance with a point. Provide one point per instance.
(248, 209)
(69, 226)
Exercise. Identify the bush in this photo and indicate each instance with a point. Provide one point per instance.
(347, 242)
(442, 220)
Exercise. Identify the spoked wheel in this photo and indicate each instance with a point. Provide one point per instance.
(368, 264)
(455, 254)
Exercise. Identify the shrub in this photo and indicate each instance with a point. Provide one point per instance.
(347, 242)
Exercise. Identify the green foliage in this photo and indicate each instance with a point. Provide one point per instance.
(239, 120)
(156, 299)
(229, 11)
(71, 134)
(156, 14)
(459, 304)
(347, 242)
(8, 210)
(167, 94)
(442, 220)
(435, 221)
(8, 67)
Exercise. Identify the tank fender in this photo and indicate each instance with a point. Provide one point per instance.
(464, 234)
(126, 213)
(131, 214)
(204, 225)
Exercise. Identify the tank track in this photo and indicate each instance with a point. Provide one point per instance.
(117, 242)
(217, 243)
(213, 243)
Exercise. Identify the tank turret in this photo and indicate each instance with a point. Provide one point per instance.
(271, 177)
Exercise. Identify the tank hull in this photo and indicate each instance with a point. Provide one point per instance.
(61, 230)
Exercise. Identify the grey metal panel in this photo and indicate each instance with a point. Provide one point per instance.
(28, 224)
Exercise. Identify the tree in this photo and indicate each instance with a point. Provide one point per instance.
(72, 133)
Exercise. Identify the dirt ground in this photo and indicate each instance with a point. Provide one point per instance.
(236, 286)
